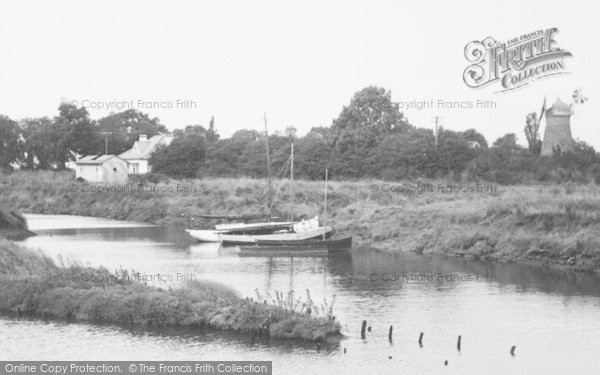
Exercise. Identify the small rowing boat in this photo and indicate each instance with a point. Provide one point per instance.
(294, 248)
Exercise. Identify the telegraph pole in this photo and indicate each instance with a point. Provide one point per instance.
(106, 141)
(270, 199)
(436, 129)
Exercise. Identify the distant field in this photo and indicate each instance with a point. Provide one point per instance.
(552, 225)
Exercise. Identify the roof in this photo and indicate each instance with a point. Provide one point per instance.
(143, 149)
(560, 108)
(94, 159)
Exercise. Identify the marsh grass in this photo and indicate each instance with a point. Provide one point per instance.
(292, 304)
(31, 283)
(553, 225)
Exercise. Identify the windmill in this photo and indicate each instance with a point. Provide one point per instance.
(557, 135)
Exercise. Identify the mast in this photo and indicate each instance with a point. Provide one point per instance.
(325, 206)
(292, 180)
(270, 198)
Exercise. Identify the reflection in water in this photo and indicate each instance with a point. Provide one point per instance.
(546, 314)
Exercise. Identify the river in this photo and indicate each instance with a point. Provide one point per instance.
(553, 318)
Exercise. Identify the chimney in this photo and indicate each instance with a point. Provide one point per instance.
(143, 137)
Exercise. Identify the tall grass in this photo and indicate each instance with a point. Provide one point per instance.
(554, 225)
(33, 284)
(289, 302)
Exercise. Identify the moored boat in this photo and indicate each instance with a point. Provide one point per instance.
(296, 248)
(214, 235)
(338, 243)
(303, 230)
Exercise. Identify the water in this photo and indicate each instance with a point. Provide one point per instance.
(553, 318)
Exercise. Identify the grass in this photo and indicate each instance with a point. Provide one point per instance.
(552, 225)
(31, 283)
(13, 225)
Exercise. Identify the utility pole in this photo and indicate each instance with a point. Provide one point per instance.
(106, 141)
(270, 199)
(436, 130)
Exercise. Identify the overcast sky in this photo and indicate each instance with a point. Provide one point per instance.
(298, 61)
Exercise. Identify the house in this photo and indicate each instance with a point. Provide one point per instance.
(473, 144)
(101, 168)
(137, 157)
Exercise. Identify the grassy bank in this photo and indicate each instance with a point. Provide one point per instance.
(554, 225)
(13, 226)
(32, 284)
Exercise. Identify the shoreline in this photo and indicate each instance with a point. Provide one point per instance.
(555, 226)
(33, 285)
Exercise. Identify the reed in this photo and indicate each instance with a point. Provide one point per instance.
(32, 284)
(552, 225)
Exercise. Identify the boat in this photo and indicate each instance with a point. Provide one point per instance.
(249, 233)
(296, 248)
(232, 230)
(214, 235)
(302, 230)
(338, 243)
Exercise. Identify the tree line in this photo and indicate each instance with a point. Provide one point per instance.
(370, 138)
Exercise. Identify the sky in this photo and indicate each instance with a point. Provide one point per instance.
(298, 61)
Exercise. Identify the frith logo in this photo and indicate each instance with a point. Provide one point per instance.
(515, 63)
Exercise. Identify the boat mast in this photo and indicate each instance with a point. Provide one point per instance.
(292, 180)
(270, 198)
(325, 206)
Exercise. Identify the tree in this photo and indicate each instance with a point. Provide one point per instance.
(472, 135)
(532, 127)
(313, 153)
(79, 133)
(368, 120)
(506, 146)
(408, 155)
(453, 152)
(42, 143)
(182, 158)
(122, 129)
(10, 152)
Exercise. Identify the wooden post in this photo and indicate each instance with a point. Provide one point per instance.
(512, 350)
(390, 333)
(458, 343)
(421, 339)
(362, 330)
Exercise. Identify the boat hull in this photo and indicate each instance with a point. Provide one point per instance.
(331, 244)
(236, 239)
(205, 235)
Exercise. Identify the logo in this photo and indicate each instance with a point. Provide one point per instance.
(515, 63)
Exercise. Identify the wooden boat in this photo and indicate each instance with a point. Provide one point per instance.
(249, 233)
(303, 230)
(214, 235)
(296, 248)
(339, 243)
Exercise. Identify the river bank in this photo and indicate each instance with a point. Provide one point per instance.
(13, 226)
(555, 226)
(33, 284)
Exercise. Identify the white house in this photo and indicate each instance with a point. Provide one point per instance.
(137, 157)
(101, 168)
